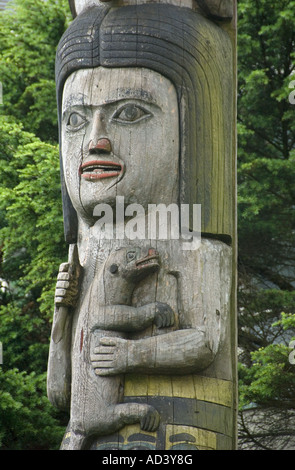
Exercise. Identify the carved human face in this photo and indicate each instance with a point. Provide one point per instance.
(120, 137)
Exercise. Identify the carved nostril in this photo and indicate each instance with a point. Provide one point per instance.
(102, 145)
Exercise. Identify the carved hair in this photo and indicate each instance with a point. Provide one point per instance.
(196, 56)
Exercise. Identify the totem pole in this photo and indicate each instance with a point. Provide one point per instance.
(143, 344)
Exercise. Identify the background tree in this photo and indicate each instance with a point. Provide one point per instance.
(31, 226)
(266, 175)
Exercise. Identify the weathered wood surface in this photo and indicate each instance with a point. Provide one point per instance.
(147, 113)
(218, 9)
(200, 65)
(106, 311)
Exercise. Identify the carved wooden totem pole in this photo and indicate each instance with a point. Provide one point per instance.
(143, 348)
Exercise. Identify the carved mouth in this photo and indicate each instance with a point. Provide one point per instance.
(98, 169)
(151, 260)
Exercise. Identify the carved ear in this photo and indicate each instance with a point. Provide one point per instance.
(218, 9)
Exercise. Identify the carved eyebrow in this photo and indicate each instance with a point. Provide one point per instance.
(118, 95)
(137, 93)
(75, 100)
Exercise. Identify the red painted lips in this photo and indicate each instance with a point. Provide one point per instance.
(98, 169)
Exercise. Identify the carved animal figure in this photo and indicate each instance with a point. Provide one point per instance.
(106, 311)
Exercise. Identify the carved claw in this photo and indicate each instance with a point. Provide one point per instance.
(150, 422)
(164, 315)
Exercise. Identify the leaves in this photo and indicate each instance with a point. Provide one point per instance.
(29, 33)
(26, 419)
(33, 229)
(31, 226)
(266, 195)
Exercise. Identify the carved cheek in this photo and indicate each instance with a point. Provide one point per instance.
(72, 155)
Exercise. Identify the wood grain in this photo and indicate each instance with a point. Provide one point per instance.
(146, 101)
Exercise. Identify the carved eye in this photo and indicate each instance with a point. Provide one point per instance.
(130, 256)
(114, 268)
(131, 113)
(75, 121)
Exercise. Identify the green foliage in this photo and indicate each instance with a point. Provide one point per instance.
(270, 381)
(26, 419)
(266, 167)
(266, 191)
(29, 32)
(258, 320)
(31, 202)
(31, 226)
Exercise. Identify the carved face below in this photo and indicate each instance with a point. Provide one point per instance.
(120, 137)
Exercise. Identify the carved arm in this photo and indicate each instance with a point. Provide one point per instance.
(132, 319)
(182, 351)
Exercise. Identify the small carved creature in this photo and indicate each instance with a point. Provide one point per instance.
(106, 311)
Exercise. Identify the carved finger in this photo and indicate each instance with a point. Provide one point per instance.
(63, 276)
(159, 321)
(98, 366)
(60, 292)
(103, 350)
(64, 267)
(170, 318)
(104, 371)
(150, 422)
(108, 341)
(164, 316)
(62, 284)
(101, 359)
(155, 423)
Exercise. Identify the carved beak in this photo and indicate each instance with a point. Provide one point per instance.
(152, 259)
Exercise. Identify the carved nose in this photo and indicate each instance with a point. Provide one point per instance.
(102, 145)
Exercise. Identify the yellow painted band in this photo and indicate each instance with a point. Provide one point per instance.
(190, 386)
(204, 440)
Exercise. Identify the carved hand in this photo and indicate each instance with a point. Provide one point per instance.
(111, 356)
(164, 315)
(66, 291)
